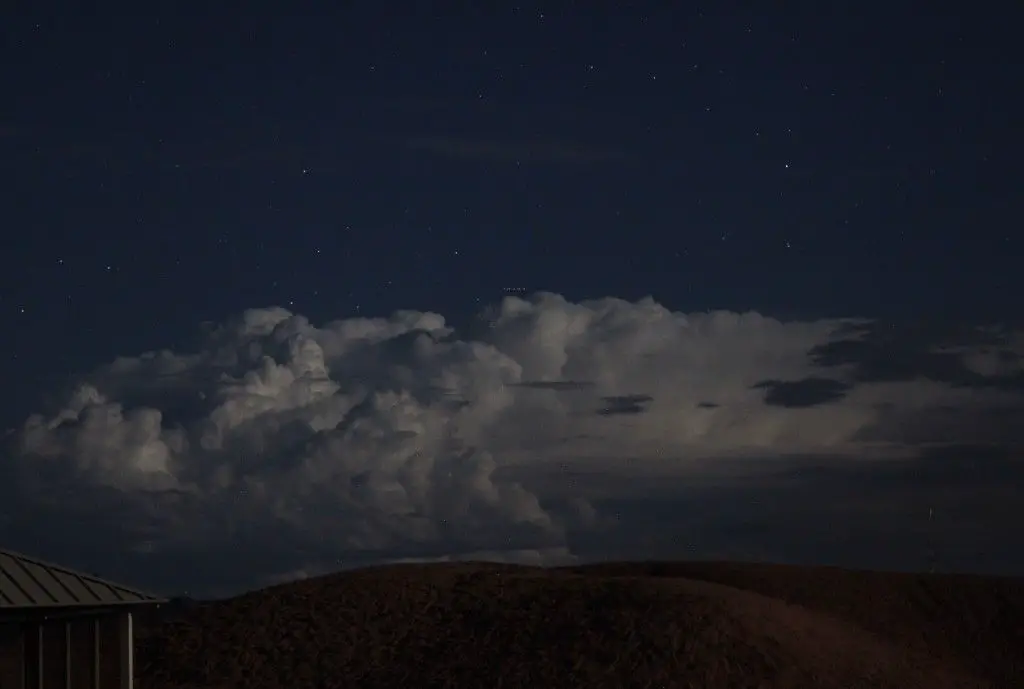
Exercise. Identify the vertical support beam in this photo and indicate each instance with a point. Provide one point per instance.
(127, 652)
(67, 654)
(23, 654)
(39, 635)
(96, 654)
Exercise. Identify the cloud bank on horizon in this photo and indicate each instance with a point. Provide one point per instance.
(280, 448)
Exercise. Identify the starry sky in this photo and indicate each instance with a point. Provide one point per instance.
(162, 170)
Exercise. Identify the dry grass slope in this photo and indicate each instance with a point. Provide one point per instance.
(701, 625)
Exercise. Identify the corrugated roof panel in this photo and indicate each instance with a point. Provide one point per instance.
(11, 592)
(25, 586)
(51, 592)
(26, 582)
(75, 587)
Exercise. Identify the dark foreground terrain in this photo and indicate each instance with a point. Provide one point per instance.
(701, 625)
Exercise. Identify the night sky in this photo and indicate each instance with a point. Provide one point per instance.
(164, 171)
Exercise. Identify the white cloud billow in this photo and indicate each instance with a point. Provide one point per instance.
(378, 434)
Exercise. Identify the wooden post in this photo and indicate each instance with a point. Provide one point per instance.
(127, 652)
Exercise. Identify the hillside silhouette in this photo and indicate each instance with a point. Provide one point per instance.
(688, 624)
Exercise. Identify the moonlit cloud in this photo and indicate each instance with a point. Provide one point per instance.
(284, 446)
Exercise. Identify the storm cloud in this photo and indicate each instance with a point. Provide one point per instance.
(562, 432)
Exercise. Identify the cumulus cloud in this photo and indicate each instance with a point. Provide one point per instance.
(363, 440)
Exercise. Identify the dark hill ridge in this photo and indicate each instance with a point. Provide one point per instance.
(702, 625)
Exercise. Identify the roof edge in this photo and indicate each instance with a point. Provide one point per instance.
(144, 597)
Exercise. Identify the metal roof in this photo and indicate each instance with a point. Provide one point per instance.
(26, 582)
